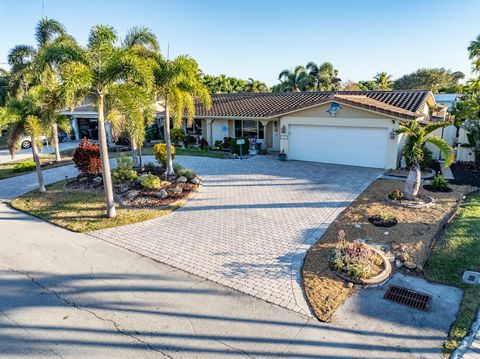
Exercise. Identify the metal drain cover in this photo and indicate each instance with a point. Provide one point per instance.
(408, 297)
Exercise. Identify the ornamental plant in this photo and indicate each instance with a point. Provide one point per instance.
(178, 135)
(160, 151)
(87, 158)
(150, 181)
(27, 166)
(124, 170)
(440, 183)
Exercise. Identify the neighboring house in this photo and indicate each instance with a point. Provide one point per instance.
(449, 133)
(345, 127)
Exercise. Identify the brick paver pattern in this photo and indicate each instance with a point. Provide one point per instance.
(250, 225)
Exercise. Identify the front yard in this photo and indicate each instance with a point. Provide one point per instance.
(11, 169)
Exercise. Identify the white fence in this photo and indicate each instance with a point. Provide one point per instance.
(464, 154)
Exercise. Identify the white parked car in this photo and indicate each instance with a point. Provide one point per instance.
(26, 141)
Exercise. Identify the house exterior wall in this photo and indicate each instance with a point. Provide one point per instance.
(349, 117)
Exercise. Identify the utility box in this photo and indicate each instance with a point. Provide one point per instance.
(470, 277)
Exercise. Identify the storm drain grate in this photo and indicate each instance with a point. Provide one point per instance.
(408, 297)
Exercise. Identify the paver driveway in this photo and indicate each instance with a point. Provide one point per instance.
(250, 225)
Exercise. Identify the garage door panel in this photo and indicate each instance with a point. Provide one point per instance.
(356, 146)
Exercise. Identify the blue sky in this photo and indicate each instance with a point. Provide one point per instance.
(259, 38)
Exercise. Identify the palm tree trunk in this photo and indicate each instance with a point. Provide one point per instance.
(107, 179)
(140, 161)
(166, 128)
(412, 184)
(38, 168)
(55, 145)
(134, 152)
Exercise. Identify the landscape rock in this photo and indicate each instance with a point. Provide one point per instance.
(97, 180)
(162, 194)
(410, 265)
(398, 264)
(132, 194)
(175, 190)
(182, 179)
(195, 180)
(123, 187)
(348, 285)
(403, 257)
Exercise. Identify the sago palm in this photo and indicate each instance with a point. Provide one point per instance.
(416, 137)
(93, 72)
(178, 83)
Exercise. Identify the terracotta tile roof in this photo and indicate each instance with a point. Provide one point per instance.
(404, 104)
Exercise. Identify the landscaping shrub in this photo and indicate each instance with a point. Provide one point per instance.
(124, 170)
(177, 135)
(24, 167)
(149, 166)
(177, 167)
(160, 151)
(234, 148)
(189, 141)
(396, 195)
(186, 172)
(203, 143)
(218, 145)
(87, 158)
(440, 183)
(355, 259)
(150, 181)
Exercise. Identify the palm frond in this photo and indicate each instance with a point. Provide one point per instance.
(101, 37)
(46, 30)
(444, 148)
(20, 55)
(140, 35)
(433, 126)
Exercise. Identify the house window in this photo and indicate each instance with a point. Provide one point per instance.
(249, 129)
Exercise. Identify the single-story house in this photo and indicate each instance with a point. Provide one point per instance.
(343, 127)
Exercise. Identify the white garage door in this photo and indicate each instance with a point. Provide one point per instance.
(356, 146)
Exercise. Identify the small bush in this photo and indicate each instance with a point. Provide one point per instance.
(186, 172)
(27, 166)
(177, 135)
(160, 151)
(189, 141)
(396, 195)
(150, 181)
(203, 143)
(149, 166)
(177, 167)
(124, 170)
(87, 158)
(440, 183)
(234, 148)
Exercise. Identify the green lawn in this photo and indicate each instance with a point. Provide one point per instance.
(79, 211)
(6, 169)
(459, 251)
(148, 151)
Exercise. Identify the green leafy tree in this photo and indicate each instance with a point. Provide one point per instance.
(255, 86)
(323, 77)
(416, 137)
(178, 83)
(294, 81)
(383, 81)
(95, 71)
(4, 86)
(436, 80)
(474, 53)
(368, 85)
(223, 84)
(22, 115)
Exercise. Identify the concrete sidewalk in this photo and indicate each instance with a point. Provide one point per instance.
(70, 295)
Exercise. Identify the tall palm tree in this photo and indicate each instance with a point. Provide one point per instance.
(417, 137)
(323, 77)
(294, 81)
(93, 71)
(23, 116)
(474, 52)
(178, 84)
(384, 81)
(26, 71)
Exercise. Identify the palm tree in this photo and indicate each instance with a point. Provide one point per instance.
(323, 77)
(384, 81)
(93, 72)
(255, 86)
(474, 52)
(4, 86)
(178, 84)
(23, 117)
(294, 81)
(417, 137)
(27, 72)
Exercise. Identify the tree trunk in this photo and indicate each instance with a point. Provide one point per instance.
(136, 162)
(38, 167)
(107, 178)
(140, 161)
(168, 142)
(412, 184)
(55, 144)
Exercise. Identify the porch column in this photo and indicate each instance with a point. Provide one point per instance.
(209, 132)
(264, 123)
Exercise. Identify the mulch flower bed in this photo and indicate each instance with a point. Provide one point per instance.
(379, 221)
(466, 173)
(431, 188)
(409, 241)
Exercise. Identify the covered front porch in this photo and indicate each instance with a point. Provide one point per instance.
(266, 133)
